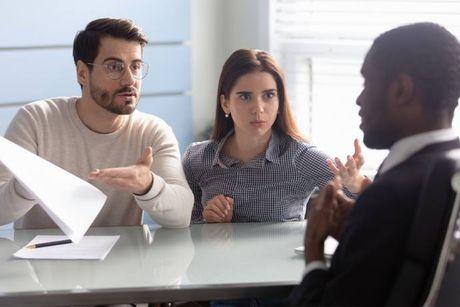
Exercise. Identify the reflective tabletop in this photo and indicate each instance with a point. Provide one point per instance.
(203, 262)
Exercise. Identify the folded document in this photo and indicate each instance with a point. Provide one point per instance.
(71, 202)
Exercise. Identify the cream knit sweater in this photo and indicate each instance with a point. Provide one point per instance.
(52, 129)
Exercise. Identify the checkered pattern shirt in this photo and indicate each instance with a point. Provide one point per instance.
(274, 186)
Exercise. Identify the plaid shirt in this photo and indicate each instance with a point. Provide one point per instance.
(274, 186)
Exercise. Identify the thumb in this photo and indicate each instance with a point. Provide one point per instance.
(230, 201)
(329, 195)
(344, 202)
(146, 158)
(337, 182)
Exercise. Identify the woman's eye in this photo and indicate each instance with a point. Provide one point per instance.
(245, 97)
(270, 95)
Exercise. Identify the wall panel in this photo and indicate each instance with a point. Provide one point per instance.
(56, 22)
(41, 73)
(176, 111)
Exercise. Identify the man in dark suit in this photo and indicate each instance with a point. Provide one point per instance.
(411, 89)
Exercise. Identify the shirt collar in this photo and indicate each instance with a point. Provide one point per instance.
(406, 147)
(271, 154)
(220, 144)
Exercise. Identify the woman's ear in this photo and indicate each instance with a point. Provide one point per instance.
(82, 73)
(224, 104)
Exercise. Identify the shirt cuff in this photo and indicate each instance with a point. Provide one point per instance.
(315, 265)
(157, 186)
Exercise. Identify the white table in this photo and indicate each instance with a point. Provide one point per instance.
(203, 262)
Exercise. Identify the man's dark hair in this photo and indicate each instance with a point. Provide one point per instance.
(429, 54)
(86, 43)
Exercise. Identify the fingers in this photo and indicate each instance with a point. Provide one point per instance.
(220, 208)
(117, 182)
(341, 169)
(357, 147)
(211, 217)
(332, 167)
(123, 172)
(329, 194)
(93, 174)
(325, 197)
(229, 216)
(343, 200)
(136, 179)
(147, 157)
(358, 154)
(222, 203)
(351, 166)
(337, 183)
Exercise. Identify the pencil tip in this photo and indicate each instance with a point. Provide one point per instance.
(31, 246)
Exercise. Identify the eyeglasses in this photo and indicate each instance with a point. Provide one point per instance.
(116, 69)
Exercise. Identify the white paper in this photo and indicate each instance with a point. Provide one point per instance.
(71, 202)
(89, 247)
(330, 246)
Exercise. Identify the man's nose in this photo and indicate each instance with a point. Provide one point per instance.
(128, 77)
(358, 99)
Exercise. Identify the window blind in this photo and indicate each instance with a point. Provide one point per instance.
(321, 45)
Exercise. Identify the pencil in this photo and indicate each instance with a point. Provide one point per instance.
(50, 243)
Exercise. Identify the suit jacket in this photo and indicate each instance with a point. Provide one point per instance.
(372, 245)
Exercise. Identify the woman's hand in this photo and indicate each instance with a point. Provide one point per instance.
(219, 209)
(352, 179)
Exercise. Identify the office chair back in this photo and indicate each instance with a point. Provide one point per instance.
(436, 213)
(446, 283)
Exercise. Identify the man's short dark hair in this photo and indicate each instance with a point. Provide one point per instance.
(427, 52)
(86, 43)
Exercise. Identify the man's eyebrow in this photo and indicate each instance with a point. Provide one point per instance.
(120, 60)
(112, 59)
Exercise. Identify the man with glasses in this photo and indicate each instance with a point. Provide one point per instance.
(131, 156)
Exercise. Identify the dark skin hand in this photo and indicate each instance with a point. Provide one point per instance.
(326, 218)
(320, 223)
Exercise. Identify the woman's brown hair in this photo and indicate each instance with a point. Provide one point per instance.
(242, 62)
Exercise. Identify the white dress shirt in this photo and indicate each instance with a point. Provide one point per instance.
(406, 147)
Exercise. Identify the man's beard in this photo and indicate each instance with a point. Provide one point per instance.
(106, 100)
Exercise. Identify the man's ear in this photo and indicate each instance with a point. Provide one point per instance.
(224, 104)
(82, 72)
(401, 90)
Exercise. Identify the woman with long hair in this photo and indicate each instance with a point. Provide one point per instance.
(257, 166)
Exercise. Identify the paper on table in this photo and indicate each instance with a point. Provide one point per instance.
(90, 247)
(330, 246)
(71, 202)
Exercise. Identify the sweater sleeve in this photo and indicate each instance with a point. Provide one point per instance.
(22, 131)
(170, 200)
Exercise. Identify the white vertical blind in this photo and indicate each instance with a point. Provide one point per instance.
(321, 45)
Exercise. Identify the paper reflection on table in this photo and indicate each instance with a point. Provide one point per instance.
(15, 273)
(141, 258)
